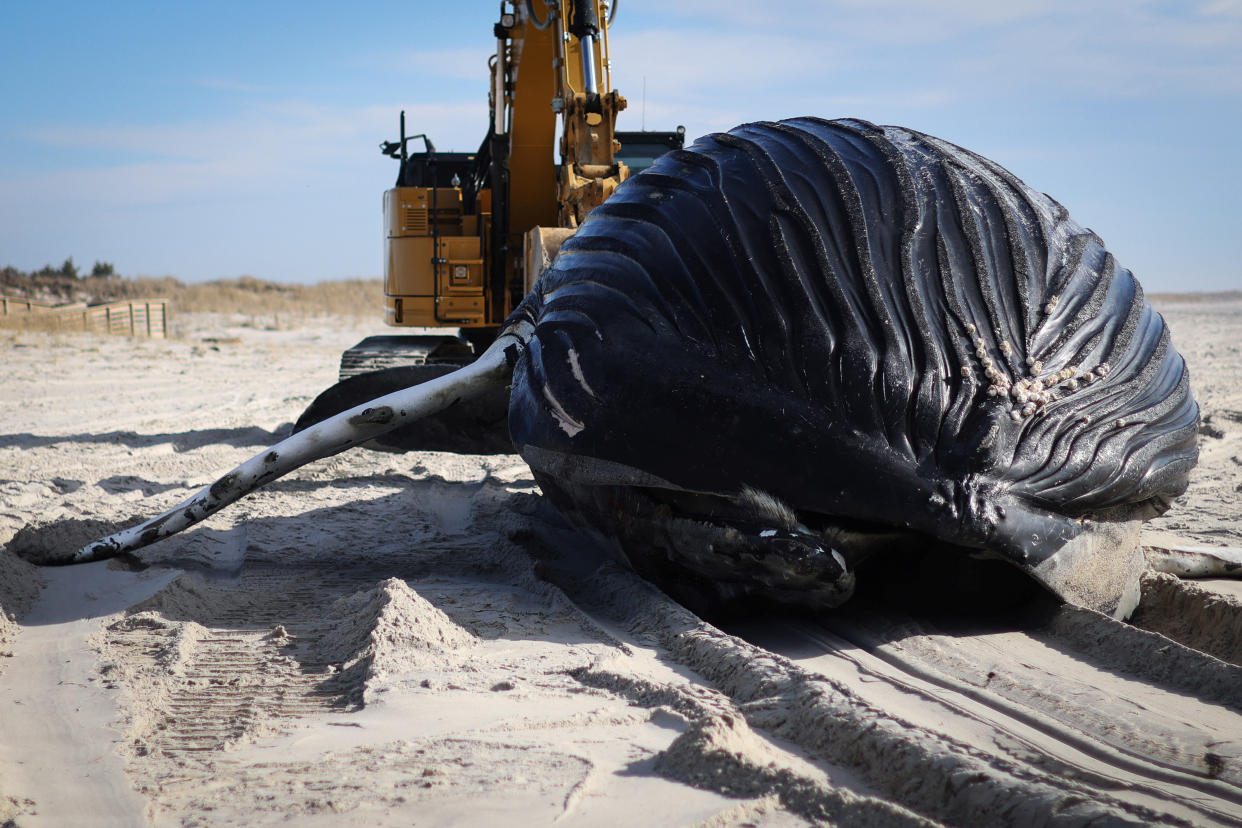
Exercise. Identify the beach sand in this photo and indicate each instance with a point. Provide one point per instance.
(396, 639)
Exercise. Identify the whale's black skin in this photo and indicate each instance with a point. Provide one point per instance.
(775, 351)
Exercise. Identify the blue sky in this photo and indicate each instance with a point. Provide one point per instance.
(212, 141)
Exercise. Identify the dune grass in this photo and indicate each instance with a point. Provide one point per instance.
(346, 297)
(358, 298)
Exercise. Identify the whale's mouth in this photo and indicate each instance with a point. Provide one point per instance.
(726, 557)
(719, 552)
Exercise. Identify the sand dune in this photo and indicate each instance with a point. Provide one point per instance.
(385, 639)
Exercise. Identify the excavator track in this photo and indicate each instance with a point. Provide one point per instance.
(376, 353)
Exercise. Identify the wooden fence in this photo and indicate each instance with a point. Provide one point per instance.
(11, 306)
(133, 317)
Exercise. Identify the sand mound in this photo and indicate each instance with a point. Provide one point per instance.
(390, 629)
(190, 596)
(176, 640)
(53, 541)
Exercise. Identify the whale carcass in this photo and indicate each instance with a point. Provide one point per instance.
(795, 345)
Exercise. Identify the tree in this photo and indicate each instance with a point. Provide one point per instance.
(104, 270)
(69, 269)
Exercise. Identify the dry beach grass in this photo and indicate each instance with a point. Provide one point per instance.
(385, 639)
(264, 303)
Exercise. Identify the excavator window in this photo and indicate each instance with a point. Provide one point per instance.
(424, 169)
(639, 150)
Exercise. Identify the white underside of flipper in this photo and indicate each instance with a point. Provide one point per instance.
(331, 436)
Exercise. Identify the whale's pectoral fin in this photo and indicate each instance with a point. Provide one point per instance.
(479, 426)
(1188, 559)
(323, 439)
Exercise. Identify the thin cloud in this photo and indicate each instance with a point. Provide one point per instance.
(1136, 55)
(457, 64)
(743, 63)
(278, 146)
(228, 85)
(1124, 47)
(1222, 8)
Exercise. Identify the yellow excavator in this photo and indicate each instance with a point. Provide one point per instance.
(466, 235)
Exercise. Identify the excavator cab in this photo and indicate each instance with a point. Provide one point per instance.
(436, 224)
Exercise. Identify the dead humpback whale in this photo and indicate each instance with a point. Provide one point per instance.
(796, 344)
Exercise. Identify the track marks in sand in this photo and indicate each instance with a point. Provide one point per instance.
(218, 663)
(214, 671)
(1044, 719)
(1061, 719)
(718, 751)
(451, 781)
(205, 672)
(1100, 722)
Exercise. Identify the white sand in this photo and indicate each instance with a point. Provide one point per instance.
(386, 639)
